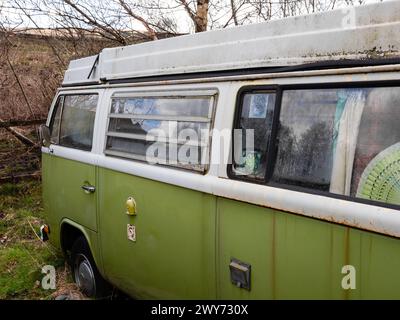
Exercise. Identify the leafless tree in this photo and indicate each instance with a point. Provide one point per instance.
(6, 43)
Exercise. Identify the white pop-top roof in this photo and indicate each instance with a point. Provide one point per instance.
(368, 31)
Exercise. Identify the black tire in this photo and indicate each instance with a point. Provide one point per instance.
(85, 273)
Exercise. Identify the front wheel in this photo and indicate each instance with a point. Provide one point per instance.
(85, 272)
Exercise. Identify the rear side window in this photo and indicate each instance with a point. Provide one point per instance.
(343, 141)
(169, 130)
(73, 121)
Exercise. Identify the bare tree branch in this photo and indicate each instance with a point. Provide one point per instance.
(129, 11)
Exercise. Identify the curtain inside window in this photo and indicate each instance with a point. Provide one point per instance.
(349, 109)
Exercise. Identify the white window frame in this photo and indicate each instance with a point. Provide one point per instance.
(184, 94)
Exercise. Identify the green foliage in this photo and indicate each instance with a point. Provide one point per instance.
(22, 254)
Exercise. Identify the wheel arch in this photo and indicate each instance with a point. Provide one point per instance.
(70, 231)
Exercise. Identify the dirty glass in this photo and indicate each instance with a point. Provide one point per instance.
(343, 140)
(305, 138)
(159, 128)
(167, 130)
(252, 135)
(134, 146)
(55, 121)
(171, 106)
(77, 121)
(161, 152)
(376, 169)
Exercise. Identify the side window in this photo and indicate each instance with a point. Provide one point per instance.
(306, 138)
(344, 141)
(73, 121)
(55, 121)
(170, 130)
(252, 134)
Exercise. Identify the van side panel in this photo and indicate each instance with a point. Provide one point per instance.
(173, 256)
(377, 259)
(295, 257)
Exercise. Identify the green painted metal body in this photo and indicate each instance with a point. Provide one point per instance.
(185, 240)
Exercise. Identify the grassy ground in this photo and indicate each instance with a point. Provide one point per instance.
(22, 254)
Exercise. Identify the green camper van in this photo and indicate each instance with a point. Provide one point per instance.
(257, 162)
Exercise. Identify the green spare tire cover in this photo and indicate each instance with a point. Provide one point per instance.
(380, 180)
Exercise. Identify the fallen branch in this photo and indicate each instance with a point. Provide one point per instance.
(15, 178)
(19, 136)
(20, 123)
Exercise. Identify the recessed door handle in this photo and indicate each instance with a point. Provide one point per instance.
(88, 188)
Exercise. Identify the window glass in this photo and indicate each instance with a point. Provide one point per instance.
(134, 146)
(305, 134)
(169, 129)
(344, 141)
(55, 121)
(170, 106)
(252, 134)
(376, 170)
(164, 130)
(77, 122)
(163, 152)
